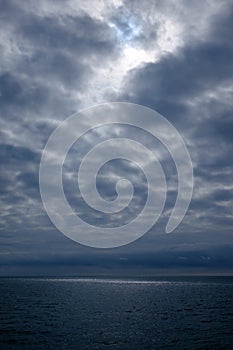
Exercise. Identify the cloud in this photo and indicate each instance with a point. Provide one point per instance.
(57, 59)
(192, 88)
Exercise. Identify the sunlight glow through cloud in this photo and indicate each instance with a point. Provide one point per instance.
(132, 54)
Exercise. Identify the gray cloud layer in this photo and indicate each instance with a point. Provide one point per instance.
(56, 60)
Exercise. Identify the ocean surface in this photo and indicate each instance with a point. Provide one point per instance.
(94, 313)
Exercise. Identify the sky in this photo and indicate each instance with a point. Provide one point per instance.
(61, 57)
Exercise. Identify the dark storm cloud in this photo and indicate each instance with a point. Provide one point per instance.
(201, 65)
(19, 185)
(193, 89)
(47, 66)
(169, 84)
(19, 164)
(52, 56)
(106, 182)
(62, 46)
(204, 260)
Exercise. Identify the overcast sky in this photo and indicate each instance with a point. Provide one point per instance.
(59, 57)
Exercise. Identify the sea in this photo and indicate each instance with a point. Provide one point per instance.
(116, 313)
